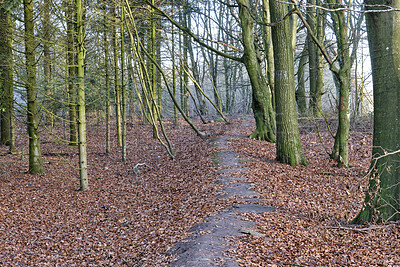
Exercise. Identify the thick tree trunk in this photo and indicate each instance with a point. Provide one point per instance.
(35, 154)
(262, 107)
(84, 185)
(382, 200)
(288, 145)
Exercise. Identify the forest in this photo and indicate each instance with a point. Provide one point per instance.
(199, 133)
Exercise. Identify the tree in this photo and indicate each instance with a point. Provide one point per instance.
(84, 185)
(6, 80)
(288, 145)
(107, 78)
(316, 20)
(382, 200)
(71, 72)
(35, 154)
(117, 91)
(262, 107)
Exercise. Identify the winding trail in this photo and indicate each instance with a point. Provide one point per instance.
(209, 240)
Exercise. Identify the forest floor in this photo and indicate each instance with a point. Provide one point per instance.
(133, 216)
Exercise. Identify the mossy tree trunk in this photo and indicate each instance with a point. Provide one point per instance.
(382, 200)
(262, 107)
(288, 145)
(340, 150)
(35, 154)
(6, 81)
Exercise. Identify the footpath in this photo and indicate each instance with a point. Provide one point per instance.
(209, 240)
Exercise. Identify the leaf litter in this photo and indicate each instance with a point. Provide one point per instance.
(133, 216)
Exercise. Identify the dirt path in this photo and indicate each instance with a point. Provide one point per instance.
(209, 241)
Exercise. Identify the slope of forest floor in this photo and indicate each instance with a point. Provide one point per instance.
(132, 216)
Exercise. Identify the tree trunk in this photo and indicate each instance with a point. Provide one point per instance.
(84, 185)
(288, 145)
(315, 18)
(260, 93)
(6, 80)
(340, 150)
(71, 73)
(35, 154)
(382, 200)
(107, 78)
(301, 98)
(47, 62)
(117, 91)
(123, 87)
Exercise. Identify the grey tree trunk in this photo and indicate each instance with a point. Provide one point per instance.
(382, 200)
(301, 98)
(288, 145)
(35, 154)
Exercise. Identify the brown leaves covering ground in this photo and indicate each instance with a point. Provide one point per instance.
(314, 205)
(125, 218)
(132, 219)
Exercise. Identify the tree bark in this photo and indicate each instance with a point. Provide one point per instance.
(260, 93)
(382, 200)
(71, 73)
(340, 150)
(301, 98)
(288, 145)
(6, 81)
(35, 154)
(107, 78)
(117, 91)
(123, 87)
(84, 185)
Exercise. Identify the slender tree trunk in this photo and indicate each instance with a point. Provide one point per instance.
(117, 91)
(173, 66)
(71, 72)
(47, 61)
(6, 80)
(301, 98)
(107, 78)
(84, 185)
(315, 18)
(35, 154)
(340, 150)
(261, 95)
(123, 87)
(382, 200)
(288, 145)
